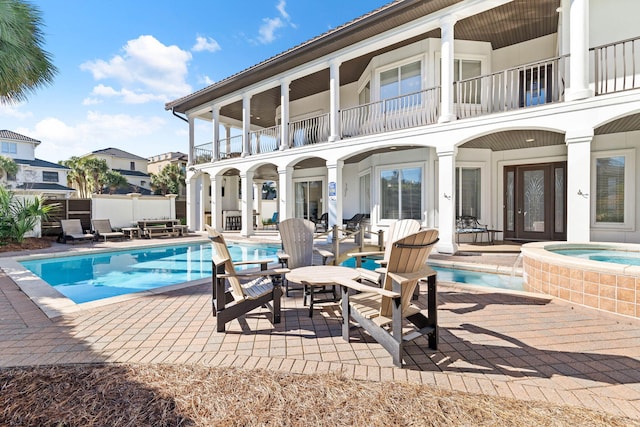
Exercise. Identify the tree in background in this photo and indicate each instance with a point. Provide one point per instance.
(169, 180)
(77, 176)
(114, 180)
(24, 65)
(8, 166)
(89, 175)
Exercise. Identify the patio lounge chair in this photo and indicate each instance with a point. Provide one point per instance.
(245, 291)
(386, 313)
(102, 228)
(72, 231)
(297, 246)
(397, 231)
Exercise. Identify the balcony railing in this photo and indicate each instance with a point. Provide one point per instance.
(519, 87)
(202, 153)
(616, 65)
(309, 131)
(230, 147)
(265, 140)
(416, 109)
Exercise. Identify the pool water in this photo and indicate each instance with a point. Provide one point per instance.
(603, 255)
(469, 277)
(93, 277)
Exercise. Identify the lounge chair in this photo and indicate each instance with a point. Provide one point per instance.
(272, 221)
(397, 231)
(353, 223)
(297, 246)
(246, 291)
(102, 228)
(72, 231)
(387, 313)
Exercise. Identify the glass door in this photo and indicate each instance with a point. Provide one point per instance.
(308, 199)
(535, 202)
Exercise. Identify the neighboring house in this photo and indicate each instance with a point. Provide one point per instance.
(522, 113)
(34, 175)
(156, 163)
(132, 167)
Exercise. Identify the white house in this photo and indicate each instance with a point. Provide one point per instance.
(34, 176)
(522, 113)
(132, 167)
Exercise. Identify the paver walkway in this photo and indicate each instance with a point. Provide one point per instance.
(490, 342)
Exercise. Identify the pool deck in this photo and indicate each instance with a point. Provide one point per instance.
(493, 342)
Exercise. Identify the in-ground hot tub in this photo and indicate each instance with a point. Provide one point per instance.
(598, 275)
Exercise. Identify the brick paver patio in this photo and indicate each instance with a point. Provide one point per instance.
(491, 342)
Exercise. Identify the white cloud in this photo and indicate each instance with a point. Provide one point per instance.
(206, 80)
(146, 71)
(205, 44)
(13, 111)
(267, 31)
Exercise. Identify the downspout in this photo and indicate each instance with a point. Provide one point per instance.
(173, 111)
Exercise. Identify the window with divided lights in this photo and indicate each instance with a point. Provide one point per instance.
(10, 147)
(401, 193)
(614, 189)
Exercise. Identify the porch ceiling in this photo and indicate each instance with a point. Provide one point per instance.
(512, 23)
(516, 139)
(624, 124)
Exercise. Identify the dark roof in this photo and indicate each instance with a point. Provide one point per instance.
(116, 152)
(49, 186)
(39, 163)
(131, 173)
(7, 134)
(129, 189)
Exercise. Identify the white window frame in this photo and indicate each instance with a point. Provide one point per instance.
(375, 94)
(378, 190)
(629, 189)
(323, 200)
(12, 147)
(51, 172)
(484, 194)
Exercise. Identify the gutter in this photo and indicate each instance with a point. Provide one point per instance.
(173, 111)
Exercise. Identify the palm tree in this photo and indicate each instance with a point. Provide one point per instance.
(114, 180)
(8, 166)
(77, 176)
(24, 65)
(169, 180)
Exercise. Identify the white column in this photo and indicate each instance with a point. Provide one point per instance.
(258, 202)
(192, 137)
(446, 200)
(246, 124)
(446, 72)
(579, 45)
(334, 194)
(285, 193)
(334, 100)
(216, 203)
(171, 198)
(215, 122)
(191, 201)
(284, 114)
(200, 190)
(578, 185)
(247, 203)
(227, 133)
(565, 25)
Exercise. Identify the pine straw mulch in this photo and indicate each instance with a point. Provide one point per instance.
(27, 244)
(179, 395)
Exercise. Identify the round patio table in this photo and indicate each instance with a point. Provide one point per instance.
(317, 276)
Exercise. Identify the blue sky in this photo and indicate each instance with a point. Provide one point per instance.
(119, 61)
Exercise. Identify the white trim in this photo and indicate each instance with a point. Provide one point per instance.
(485, 195)
(629, 190)
(377, 193)
(421, 58)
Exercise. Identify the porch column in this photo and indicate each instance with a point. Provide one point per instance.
(565, 25)
(215, 122)
(334, 101)
(246, 125)
(579, 46)
(578, 186)
(447, 113)
(191, 200)
(446, 199)
(284, 114)
(246, 179)
(216, 203)
(227, 132)
(334, 194)
(285, 193)
(200, 205)
(192, 137)
(257, 202)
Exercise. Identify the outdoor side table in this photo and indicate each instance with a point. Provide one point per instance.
(316, 276)
(131, 232)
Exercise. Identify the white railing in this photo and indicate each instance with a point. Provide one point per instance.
(519, 87)
(309, 131)
(616, 65)
(416, 109)
(202, 153)
(265, 140)
(230, 147)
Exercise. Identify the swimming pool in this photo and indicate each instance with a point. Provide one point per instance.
(603, 255)
(91, 277)
(458, 275)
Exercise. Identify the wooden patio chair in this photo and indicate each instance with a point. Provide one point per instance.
(397, 231)
(245, 291)
(297, 246)
(387, 313)
(72, 231)
(102, 228)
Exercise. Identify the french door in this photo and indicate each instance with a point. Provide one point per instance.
(308, 199)
(535, 202)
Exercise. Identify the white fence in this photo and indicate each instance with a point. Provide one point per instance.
(126, 210)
